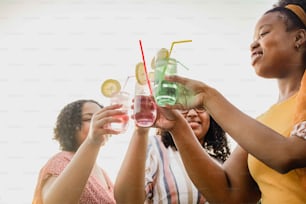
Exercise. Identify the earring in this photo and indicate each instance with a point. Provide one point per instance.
(297, 46)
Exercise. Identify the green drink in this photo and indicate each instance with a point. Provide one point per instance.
(165, 92)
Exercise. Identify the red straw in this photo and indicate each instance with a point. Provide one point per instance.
(145, 68)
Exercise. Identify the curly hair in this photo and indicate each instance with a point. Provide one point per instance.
(215, 141)
(68, 122)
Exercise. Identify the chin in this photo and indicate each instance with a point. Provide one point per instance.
(198, 135)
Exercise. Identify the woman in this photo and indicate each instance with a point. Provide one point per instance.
(267, 161)
(152, 170)
(72, 175)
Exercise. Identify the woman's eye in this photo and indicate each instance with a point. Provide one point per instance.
(86, 119)
(262, 34)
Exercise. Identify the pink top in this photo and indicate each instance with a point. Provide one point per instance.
(93, 192)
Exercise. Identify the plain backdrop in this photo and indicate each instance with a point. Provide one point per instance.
(53, 52)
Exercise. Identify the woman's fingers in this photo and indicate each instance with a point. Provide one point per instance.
(102, 119)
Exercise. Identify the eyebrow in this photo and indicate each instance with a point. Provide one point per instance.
(264, 25)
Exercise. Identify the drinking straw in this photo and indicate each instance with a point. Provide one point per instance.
(176, 42)
(126, 80)
(145, 68)
(182, 65)
(172, 44)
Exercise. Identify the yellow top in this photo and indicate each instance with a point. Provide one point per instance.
(278, 188)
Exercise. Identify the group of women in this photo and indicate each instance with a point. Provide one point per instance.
(189, 160)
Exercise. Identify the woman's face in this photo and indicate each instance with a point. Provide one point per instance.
(273, 49)
(88, 110)
(199, 121)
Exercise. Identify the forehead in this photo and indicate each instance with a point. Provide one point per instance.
(274, 19)
(90, 107)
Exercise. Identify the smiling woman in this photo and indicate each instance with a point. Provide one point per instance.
(159, 164)
(54, 52)
(277, 176)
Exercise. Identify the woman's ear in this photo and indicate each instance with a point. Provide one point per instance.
(300, 38)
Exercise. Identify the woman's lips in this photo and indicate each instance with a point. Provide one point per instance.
(194, 124)
(256, 56)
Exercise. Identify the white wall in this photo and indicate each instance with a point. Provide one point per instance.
(55, 51)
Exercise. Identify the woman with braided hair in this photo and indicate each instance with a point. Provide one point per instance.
(269, 160)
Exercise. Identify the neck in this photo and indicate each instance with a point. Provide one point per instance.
(288, 87)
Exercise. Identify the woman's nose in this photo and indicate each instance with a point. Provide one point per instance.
(254, 45)
(192, 112)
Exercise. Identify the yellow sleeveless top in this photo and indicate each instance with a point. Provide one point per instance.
(278, 188)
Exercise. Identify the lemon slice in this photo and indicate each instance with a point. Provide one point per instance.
(163, 53)
(140, 73)
(151, 76)
(110, 87)
(153, 63)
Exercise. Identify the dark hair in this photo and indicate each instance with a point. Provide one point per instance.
(291, 20)
(68, 122)
(215, 141)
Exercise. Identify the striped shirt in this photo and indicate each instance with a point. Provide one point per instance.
(166, 180)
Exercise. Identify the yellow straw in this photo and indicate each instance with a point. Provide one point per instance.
(176, 42)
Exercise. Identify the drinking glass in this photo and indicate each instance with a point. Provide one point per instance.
(144, 106)
(121, 98)
(165, 92)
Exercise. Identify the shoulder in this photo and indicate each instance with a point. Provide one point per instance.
(155, 147)
(155, 141)
(61, 156)
(58, 162)
(152, 139)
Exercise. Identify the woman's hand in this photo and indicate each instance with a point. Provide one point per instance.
(99, 130)
(167, 119)
(192, 92)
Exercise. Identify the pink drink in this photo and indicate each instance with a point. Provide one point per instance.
(144, 110)
(121, 126)
(121, 98)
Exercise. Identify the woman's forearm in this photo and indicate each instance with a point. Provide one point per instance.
(254, 137)
(207, 175)
(68, 186)
(129, 185)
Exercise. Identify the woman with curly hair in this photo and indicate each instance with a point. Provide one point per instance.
(270, 158)
(72, 175)
(152, 170)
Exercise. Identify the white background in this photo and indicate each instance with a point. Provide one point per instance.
(53, 52)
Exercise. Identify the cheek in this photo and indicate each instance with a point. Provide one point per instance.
(205, 123)
(85, 128)
(276, 49)
(84, 132)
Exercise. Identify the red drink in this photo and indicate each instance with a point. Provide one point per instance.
(144, 110)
